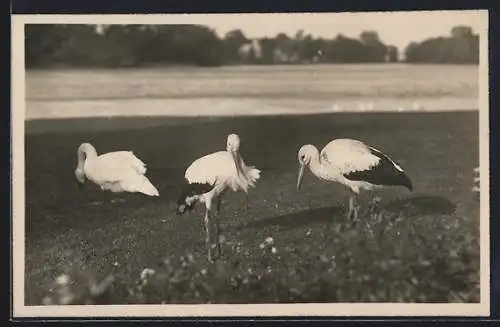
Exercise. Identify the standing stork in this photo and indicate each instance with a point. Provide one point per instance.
(208, 177)
(119, 171)
(353, 164)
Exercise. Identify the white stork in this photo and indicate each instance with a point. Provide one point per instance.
(353, 164)
(208, 177)
(119, 171)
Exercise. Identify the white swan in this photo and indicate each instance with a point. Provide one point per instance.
(119, 171)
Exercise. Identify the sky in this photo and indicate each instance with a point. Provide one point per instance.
(394, 28)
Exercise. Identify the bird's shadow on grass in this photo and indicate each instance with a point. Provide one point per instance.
(421, 205)
(413, 206)
(323, 215)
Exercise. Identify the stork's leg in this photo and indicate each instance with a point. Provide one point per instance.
(207, 234)
(217, 226)
(374, 205)
(353, 212)
(356, 207)
(350, 209)
(218, 202)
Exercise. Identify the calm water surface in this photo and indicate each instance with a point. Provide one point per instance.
(249, 90)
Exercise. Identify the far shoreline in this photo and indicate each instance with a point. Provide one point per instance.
(121, 122)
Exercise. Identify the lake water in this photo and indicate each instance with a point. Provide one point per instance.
(249, 90)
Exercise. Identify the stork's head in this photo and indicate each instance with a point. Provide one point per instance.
(305, 155)
(233, 147)
(233, 143)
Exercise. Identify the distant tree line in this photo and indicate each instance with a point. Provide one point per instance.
(462, 47)
(136, 45)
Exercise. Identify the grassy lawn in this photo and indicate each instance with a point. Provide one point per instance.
(423, 247)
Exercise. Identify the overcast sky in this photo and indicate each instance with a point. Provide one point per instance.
(395, 28)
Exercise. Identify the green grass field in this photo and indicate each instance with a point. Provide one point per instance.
(424, 247)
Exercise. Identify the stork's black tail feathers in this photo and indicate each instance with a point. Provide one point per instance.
(406, 182)
(186, 201)
(386, 173)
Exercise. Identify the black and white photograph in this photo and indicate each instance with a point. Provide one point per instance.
(327, 164)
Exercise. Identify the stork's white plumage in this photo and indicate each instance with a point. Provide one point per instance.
(208, 177)
(119, 171)
(353, 164)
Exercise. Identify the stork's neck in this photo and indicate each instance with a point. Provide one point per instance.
(317, 167)
(85, 151)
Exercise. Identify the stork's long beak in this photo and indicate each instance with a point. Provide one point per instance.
(237, 161)
(301, 175)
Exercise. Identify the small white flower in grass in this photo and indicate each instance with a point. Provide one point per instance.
(262, 245)
(203, 271)
(147, 272)
(116, 264)
(269, 240)
(62, 279)
(309, 232)
(274, 250)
